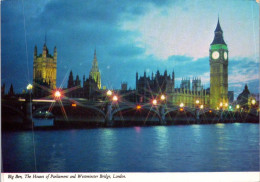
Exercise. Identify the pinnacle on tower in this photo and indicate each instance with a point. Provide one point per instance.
(218, 38)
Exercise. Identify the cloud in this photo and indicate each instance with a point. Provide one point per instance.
(125, 51)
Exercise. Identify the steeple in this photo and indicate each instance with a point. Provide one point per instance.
(218, 38)
(94, 72)
(35, 52)
(95, 63)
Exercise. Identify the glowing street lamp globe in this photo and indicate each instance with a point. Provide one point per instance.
(197, 101)
(221, 104)
(201, 106)
(109, 93)
(57, 94)
(253, 101)
(115, 98)
(237, 106)
(154, 102)
(138, 107)
(29, 87)
(226, 104)
(181, 105)
(163, 97)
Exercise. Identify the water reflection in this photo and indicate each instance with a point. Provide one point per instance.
(222, 147)
(220, 125)
(137, 129)
(162, 139)
(196, 131)
(107, 149)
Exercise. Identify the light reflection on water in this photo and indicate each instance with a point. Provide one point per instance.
(190, 148)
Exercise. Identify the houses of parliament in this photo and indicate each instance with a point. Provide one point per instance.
(45, 70)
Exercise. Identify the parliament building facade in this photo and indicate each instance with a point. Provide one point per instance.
(147, 88)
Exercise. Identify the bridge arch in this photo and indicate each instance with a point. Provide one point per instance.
(10, 108)
(69, 105)
(125, 108)
(187, 110)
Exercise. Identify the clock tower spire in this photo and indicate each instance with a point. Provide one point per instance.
(218, 59)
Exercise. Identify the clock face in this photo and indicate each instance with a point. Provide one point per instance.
(225, 55)
(215, 55)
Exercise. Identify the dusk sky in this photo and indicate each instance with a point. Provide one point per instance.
(129, 36)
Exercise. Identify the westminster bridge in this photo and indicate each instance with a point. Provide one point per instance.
(82, 112)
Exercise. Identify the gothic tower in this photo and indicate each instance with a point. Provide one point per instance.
(218, 58)
(94, 72)
(45, 67)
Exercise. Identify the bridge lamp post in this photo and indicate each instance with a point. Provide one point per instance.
(138, 107)
(115, 98)
(181, 107)
(154, 102)
(163, 97)
(197, 104)
(226, 106)
(109, 93)
(57, 94)
(220, 105)
(230, 108)
(29, 88)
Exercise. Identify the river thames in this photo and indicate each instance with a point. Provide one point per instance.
(176, 148)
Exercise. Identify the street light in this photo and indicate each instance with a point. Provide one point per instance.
(221, 104)
(201, 106)
(197, 101)
(57, 94)
(109, 93)
(253, 102)
(181, 105)
(163, 97)
(226, 104)
(115, 98)
(154, 102)
(138, 107)
(237, 106)
(29, 87)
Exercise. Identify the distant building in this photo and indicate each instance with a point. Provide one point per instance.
(185, 83)
(45, 67)
(196, 85)
(147, 88)
(44, 71)
(243, 97)
(124, 86)
(230, 96)
(11, 91)
(89, 88)
(3, 90)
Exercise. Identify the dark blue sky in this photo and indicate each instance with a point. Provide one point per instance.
(129, 36)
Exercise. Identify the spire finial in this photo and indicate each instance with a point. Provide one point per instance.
(45, 41)
(95, 53)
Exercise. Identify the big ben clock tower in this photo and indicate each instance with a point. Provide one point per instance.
(218, 58)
